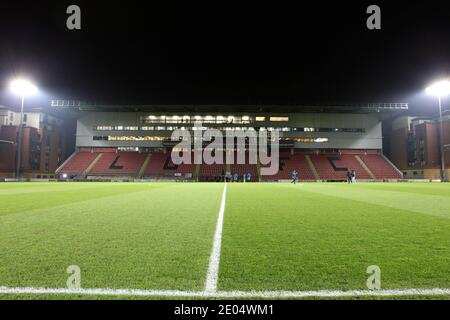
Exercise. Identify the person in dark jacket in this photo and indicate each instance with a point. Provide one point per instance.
(294, 176)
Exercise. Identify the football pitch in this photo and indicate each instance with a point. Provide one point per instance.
(206, 240)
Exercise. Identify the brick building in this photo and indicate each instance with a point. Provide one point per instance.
(43, 149)
(415, 146)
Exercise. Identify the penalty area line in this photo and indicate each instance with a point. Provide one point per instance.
(229, 294)
(214, 259)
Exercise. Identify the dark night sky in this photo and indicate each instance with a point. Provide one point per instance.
(260, 52)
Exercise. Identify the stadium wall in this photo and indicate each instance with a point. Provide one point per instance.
(369, 138)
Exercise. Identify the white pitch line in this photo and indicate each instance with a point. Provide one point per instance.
(214, 259)
(229, 294)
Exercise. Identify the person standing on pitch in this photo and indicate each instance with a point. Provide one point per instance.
(294, 176)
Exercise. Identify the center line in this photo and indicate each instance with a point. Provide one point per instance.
(214, 260)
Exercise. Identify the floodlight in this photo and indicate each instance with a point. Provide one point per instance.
(23, 87)
(439, 89)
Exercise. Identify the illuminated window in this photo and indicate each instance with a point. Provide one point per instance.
(279, 119)
(128, 149)
(130, 138)
(221, 119)
(260, 119)
(209, 119)
(307, 140)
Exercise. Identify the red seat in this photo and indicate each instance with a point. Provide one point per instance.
(213, 170)
(381, 168)
(289, 163)
(243, 168)
(128, 163)
(161, 163)
(79, 163)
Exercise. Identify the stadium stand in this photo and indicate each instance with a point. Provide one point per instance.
(311, 166)
(305, 172)
(212, 170)
(78, 163)
(245, 168)
(380, 167)
(290, 162)
(334, 166)
(320, 142)
(161, 164)
(349, 161)
(121, 163)
(329, 166)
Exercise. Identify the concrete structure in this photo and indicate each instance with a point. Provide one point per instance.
(323, 143)
(302, 131)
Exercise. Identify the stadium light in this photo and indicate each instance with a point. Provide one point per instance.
(23, 88)
(440, 89)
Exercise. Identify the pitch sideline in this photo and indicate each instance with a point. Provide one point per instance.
(230, 294)
(214, 259)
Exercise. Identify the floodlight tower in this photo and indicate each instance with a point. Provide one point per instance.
(439, 90)
(22, 88)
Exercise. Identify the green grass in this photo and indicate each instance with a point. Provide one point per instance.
(275, 236)
(120, 235)
(324, 236)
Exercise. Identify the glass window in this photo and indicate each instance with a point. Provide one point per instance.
(279, 119)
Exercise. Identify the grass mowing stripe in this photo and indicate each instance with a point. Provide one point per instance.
(423, 191)
(214, 260)
(25, 202)
(425, 204)
(44, 188)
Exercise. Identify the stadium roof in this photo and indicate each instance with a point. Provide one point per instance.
(361, 108)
